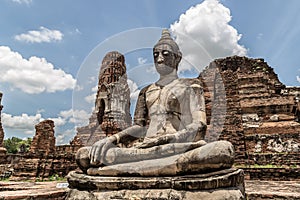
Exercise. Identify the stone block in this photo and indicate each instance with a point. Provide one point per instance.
(224, 184)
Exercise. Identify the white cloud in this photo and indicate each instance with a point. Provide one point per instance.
(26, 123)
(33, 76)
(22, 1)
(298, 78)
(22, 122)
(78, 117)
(203, 33)
(134, 91)
(142, 61)
(59, 121)
(42, 35)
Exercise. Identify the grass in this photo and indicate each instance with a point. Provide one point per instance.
(54, 177)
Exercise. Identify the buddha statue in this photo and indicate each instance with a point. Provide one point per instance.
(167, 137)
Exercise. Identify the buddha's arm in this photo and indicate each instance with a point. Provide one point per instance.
(195, 130)
(192, 132)
(99, 149)
(130, 134)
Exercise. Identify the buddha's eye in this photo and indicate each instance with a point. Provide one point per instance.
(155, 54)
(166, 53)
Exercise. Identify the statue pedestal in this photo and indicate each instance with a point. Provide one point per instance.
(223, 184)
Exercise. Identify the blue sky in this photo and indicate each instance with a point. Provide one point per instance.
(50, 50)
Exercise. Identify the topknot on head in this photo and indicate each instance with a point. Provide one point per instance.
(166, 39)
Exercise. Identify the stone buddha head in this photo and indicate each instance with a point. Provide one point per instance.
(166, 54)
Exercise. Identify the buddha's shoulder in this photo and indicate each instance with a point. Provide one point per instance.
(146, 89)
(189, 82)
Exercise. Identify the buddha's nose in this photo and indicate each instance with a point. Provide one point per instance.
(160, 59)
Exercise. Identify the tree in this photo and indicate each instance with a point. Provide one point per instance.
(14, 145)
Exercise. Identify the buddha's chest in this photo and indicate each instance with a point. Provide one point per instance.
(164, 100)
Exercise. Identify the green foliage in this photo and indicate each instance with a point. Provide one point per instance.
(14, 144)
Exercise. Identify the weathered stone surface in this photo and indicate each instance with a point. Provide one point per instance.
(223, 178)
(247, 105)
(226, 183)
(210, 157)
(157, 194)
(43, 142)
(2, 149)
(255, 190)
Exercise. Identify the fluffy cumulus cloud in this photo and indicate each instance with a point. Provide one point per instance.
(41, 35)
(203, 33)
(33, 75)
(26, 123)
(77, 117)
(23, 122)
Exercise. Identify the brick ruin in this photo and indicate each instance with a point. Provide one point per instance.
(43, 160)
(112, 106)
(2, 149)
(44, 141)
(248, 105)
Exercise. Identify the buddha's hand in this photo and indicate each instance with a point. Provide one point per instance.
(99, 149)
(151, 142)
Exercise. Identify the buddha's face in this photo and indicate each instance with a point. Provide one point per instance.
(164, 59)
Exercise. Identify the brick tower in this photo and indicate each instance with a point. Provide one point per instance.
(112, 105)
(2, 149)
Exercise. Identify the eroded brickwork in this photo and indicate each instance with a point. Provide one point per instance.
(260, 117)
(43, 142)
(2, 149)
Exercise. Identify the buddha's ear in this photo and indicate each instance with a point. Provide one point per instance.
(178, 57)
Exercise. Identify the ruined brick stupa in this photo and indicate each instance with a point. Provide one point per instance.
(44, 141)
(247, 105)
(2, 149)
(112, 105)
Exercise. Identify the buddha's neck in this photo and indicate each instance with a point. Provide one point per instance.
(165, 80)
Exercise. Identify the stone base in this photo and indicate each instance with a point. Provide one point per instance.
(224, 184)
